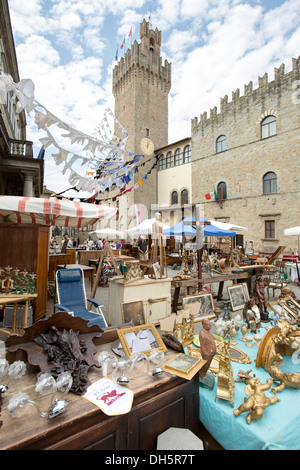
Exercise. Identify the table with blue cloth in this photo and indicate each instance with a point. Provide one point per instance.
(280, 426)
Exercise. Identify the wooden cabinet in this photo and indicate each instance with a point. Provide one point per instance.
(159, 404)
(26, 246)
(155, 295)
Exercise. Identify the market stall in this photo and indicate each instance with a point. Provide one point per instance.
(24, 231)
(278, 429)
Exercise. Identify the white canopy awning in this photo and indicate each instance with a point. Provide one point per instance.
(228, 226)
(144, 228)
(52, 211)
(292, 231)
(108, 232)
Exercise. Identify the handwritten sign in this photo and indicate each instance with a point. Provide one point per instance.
(111, 398)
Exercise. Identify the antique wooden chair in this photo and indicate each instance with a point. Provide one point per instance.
(71, 297)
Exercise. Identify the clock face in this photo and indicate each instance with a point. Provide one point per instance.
(147, 146)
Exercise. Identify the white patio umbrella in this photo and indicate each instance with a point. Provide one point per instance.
(228, 226)
(144, 228)
(108, 232)
(292, 231)
(52, 211)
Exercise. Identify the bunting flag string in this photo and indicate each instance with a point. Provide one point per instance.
(105, 152)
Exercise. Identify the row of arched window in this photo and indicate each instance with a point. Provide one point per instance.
(184, 197)
(175, 159)
(269, 185)
(268, 128)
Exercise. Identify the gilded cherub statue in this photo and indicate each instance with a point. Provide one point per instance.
(257, 401)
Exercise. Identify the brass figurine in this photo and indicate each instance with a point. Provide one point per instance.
(225, 386)
(274, 344)
(257, 401)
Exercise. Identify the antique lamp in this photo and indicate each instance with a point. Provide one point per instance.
(15, 371)
(122, 365)
(45, 384)
(156, 357)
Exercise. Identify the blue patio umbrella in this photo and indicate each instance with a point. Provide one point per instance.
(187, 229)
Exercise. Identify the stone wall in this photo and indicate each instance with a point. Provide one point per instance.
(248, 157)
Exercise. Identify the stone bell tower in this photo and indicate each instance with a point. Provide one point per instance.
(141, 85)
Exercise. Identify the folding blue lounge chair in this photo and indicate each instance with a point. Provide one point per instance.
(71, 297)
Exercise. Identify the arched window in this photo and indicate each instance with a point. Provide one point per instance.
(270, 183)
(174, 197)
(222, 191)
(169, 159)
(184, 197)
(268, 127)
(178, 157)
(221, 143)
(187, 154)
(161, 162)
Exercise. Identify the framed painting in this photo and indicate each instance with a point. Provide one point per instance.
(292, 305)
(133, 311)
(184, 365)
(205, 303)
(141, 338)
(284, 313)
(236, 295)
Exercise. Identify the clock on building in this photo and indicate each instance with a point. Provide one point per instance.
(147, 146)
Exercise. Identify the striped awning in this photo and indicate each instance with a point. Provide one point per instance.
(52, 211)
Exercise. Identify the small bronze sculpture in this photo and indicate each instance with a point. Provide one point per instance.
(207, 347)
(260, 298)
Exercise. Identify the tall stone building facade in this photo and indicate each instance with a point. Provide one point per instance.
(249, 154)
(20, 173)
(141, 85)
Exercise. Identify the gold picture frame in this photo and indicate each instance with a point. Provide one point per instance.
(133, 311)
(236, 296)
(133, 339)
(283, 311)
(184, 365)
(206, 305)
(292, 305)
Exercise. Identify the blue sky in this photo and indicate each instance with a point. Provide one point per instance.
(68, 47)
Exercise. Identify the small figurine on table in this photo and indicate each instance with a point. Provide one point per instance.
(251, 315)
(208, 350)
(260, 298)
(275, 319)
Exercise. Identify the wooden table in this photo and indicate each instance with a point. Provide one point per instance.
(88, 271)
(94, 261)
(161, 403)
(20, 312)
(195, 282)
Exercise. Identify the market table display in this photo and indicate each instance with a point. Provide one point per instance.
(278, 429)
(194, 282)
(158, 403)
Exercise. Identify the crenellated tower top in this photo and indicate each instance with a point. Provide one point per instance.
(264, 87)
(144, 55)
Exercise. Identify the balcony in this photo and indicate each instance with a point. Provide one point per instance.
(13, 147)
(21, 148)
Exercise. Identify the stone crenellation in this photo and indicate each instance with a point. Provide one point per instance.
(138, 61)
(281, 79)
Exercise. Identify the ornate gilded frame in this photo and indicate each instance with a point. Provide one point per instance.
(135, 329)
(294, 309)
(187, 299)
